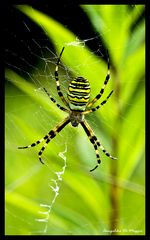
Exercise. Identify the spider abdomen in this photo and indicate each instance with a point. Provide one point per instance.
(78, 93)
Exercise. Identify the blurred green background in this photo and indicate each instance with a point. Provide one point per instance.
(111, 199)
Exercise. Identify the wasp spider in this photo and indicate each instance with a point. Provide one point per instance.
(78, 104)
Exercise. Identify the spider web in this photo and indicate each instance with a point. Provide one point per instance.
(47, 62)
(38, 68)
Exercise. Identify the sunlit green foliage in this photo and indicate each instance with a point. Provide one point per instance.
(83, 205)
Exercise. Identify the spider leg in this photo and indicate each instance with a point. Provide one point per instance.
(97, 107)
(48, 137)
(60, 94)
(52, 134)
(34, 144)
(93, 139)
(90, 135)
(103, 88)
(54, 101)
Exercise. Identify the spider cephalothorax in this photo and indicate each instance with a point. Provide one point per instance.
(76, 117)
(78, 105)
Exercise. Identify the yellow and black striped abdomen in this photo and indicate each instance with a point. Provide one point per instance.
(78, 93)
